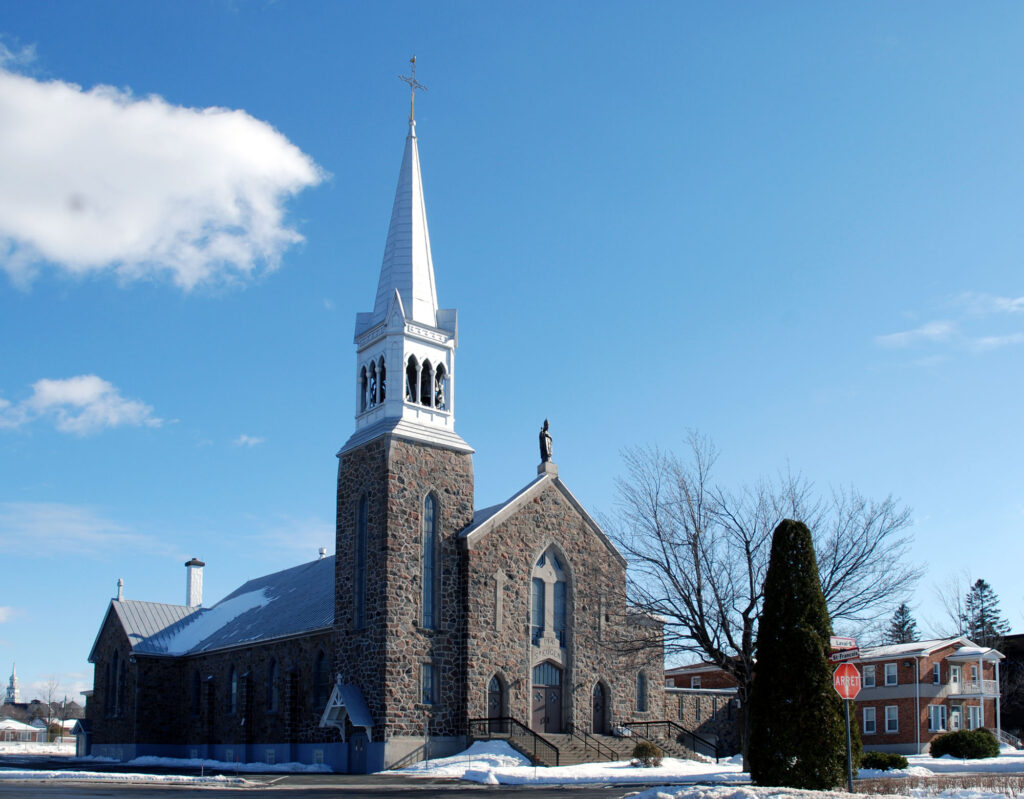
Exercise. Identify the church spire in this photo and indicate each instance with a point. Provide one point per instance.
(407, 266)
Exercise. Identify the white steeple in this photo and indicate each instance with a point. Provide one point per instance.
(407, 266)
(13, 695)
(405, 347)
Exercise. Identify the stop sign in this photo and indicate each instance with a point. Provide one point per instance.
(847, 681)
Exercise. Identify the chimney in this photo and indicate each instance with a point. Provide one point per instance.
(323, 553)
(120, 589)
(194, 583)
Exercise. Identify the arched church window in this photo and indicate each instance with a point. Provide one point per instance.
(412, 378)
(549, 599)
(320, 681)
(115, 693)
(371, 391)
(440, 398)
(426, 381)
(429, 561)
(232, 697)
(196, 691)
(382, 378)
(271, 698)
(360, 564)
(363, 385)
(641, 692)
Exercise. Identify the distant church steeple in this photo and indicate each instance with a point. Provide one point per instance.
(405, 347)
(13, 695)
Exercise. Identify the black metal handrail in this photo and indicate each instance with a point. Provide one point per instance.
(680, 734)
(530, 743)
(590, 742)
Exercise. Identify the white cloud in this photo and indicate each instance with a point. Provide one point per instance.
(987, 304)
(287, 533)
(100, 181)
(15, 56)
(987, 343)
(42, 529)
(81, 405)
(930, 332)
(248, 441)
(7, 613)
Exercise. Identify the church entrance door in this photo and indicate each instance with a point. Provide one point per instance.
(547, 698)
(357, 753)
(600, 722)
(496, 707)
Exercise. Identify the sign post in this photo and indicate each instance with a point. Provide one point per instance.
(847, 684)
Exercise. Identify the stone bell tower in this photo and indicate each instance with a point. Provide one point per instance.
(405, 490)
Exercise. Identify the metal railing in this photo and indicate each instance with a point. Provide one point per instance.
(522, 737)
(676, 732)
(603, 751)
(986, 687)
(1011, 740)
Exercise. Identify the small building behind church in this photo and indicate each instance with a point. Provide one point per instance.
(433, 613)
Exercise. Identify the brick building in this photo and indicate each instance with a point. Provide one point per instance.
(431, 614)
(912, 692)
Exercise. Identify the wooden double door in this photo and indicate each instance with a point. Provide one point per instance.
(546, 699)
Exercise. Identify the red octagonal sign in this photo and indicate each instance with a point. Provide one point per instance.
(847, 681)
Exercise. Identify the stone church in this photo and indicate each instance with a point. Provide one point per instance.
(431, 615)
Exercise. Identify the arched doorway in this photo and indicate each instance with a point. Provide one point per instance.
(496, 705)
(546, 698)
(600, 706)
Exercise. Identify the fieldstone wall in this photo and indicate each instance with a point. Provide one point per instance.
(712, 714)
(385, 658)
(112, 722)
(599, 642)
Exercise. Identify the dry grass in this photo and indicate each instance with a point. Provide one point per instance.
(1009, 784)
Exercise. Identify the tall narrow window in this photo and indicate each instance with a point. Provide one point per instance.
(363, 385)
(559, 620)
(426, 384)
(869, 727)
(360, 564)
(440, 401)
(411, 379)
(537, 620)
(232, 697)
(196, 691)
(271, 697)
(320, 682)
(371, 392)
(428, 683)
(641, 693)
(429, 561)
(382, 377)
(115, 688)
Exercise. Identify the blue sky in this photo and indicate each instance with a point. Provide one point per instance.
(793, 228)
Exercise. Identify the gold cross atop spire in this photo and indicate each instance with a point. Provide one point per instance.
(413, 86)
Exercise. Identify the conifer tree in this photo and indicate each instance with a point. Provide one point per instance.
(798, 737)
(902, 628)
(982, 622)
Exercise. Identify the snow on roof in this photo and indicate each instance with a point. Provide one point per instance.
(17, 726)
(288, 602)
(140, 620)
(920, 648)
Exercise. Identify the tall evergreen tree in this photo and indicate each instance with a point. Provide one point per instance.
(981, 621)
(902, 628)
(797, 734)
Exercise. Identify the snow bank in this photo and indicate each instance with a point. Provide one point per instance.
(1010, 761)
(715, 792)
(221, 765)
(62, 749)
(481, 758)
(97, 776)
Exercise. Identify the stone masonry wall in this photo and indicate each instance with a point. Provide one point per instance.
(110, 724)
(503, 560)
(385, 658)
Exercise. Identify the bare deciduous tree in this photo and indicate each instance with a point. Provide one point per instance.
(698, 553)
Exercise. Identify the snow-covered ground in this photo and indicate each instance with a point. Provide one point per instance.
(725, 792)
(108, 776)
(63, 749)
(496, 763)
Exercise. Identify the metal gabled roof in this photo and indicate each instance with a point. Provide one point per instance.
(141, 620)
(288, 602)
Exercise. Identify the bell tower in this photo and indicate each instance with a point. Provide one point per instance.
(405, 491)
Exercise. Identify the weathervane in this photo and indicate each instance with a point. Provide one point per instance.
(413, 86)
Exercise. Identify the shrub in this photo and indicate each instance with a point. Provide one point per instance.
(647, 754)
(968, 744)
(883, 761)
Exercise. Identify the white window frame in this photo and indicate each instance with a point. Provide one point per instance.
(955, 675)
(695, 682)
(867, 676)
(869, 726)
(974, 672)
(937, 713)
(894, 717)
(973, 717)
(893, 672)
(937, 674)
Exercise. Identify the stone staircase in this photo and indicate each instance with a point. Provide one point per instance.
(572, 749)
